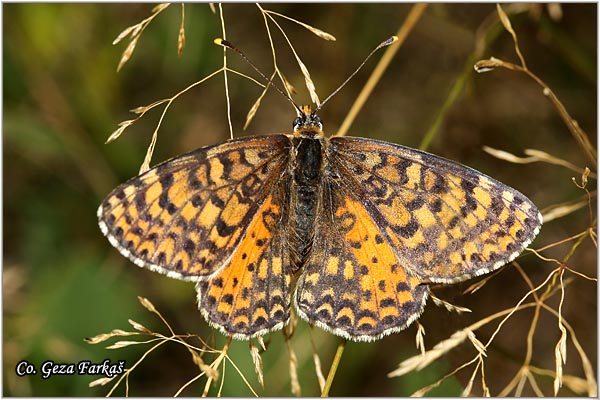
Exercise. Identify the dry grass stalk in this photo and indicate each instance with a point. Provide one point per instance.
(147, 304)
(105, 336)
(476, 343)
(407, 26)
(579, 135)
(469, 386)
(150, 307)
(320, 33)
(418, 362)
(268, 15)
(556, 211)
(276, 69)
(580, 237)
(101, 381)
(142, 111)
(261, 342)
(524, 375)
(535, 156)
(317, 363)
(293, 369)
(517, 307)
(225, 69)
(205, 368)
(584, 178)
(289, 88)
(256, 104)
(257, 361)
(592, 385)
(307, 79)
(533, 383)
(420, 338)
(138, 326)
(560, 351)
(448, 306)
(334, 366)
(186, 385)
(484, 35)
(507, 25)
(478, 285)
(215, 366)
(158, 339)
(241, 375)
(484, 386)
(181, 35)
(123, 343)
(136, 31)
(574, 383)
(421, 392)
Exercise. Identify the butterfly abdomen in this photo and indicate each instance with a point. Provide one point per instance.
(307, 170)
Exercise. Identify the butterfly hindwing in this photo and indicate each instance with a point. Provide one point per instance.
(250, 296)
(352, 284)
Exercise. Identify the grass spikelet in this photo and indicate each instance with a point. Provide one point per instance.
(420, 338)
(257, 361)
(320, 33)
(293, 370)
(420, 361)
(135, 31)
(181, 34)
(450, 307)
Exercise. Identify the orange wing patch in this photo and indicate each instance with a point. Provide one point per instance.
(353, 285)
(251, 294)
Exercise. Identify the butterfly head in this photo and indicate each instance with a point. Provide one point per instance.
(307, 121)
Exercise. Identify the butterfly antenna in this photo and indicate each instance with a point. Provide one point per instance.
(229, 45)
(385, 43)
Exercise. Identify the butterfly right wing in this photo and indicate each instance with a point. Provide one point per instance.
(186, 217)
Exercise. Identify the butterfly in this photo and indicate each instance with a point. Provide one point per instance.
(349, 231)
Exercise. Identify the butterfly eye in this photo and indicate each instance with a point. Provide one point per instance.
(317, 121)
(297, 123)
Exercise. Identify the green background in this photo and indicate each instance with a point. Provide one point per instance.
(63, 282)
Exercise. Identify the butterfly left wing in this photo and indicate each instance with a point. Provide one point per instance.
(214, 216)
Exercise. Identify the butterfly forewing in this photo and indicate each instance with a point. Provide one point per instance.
(186, 217)
(446, 222)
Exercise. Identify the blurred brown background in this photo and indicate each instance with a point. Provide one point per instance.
(63, 282)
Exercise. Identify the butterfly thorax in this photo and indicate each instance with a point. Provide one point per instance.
(306, 172)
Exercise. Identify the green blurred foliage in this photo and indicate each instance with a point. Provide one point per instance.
(62, 97)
